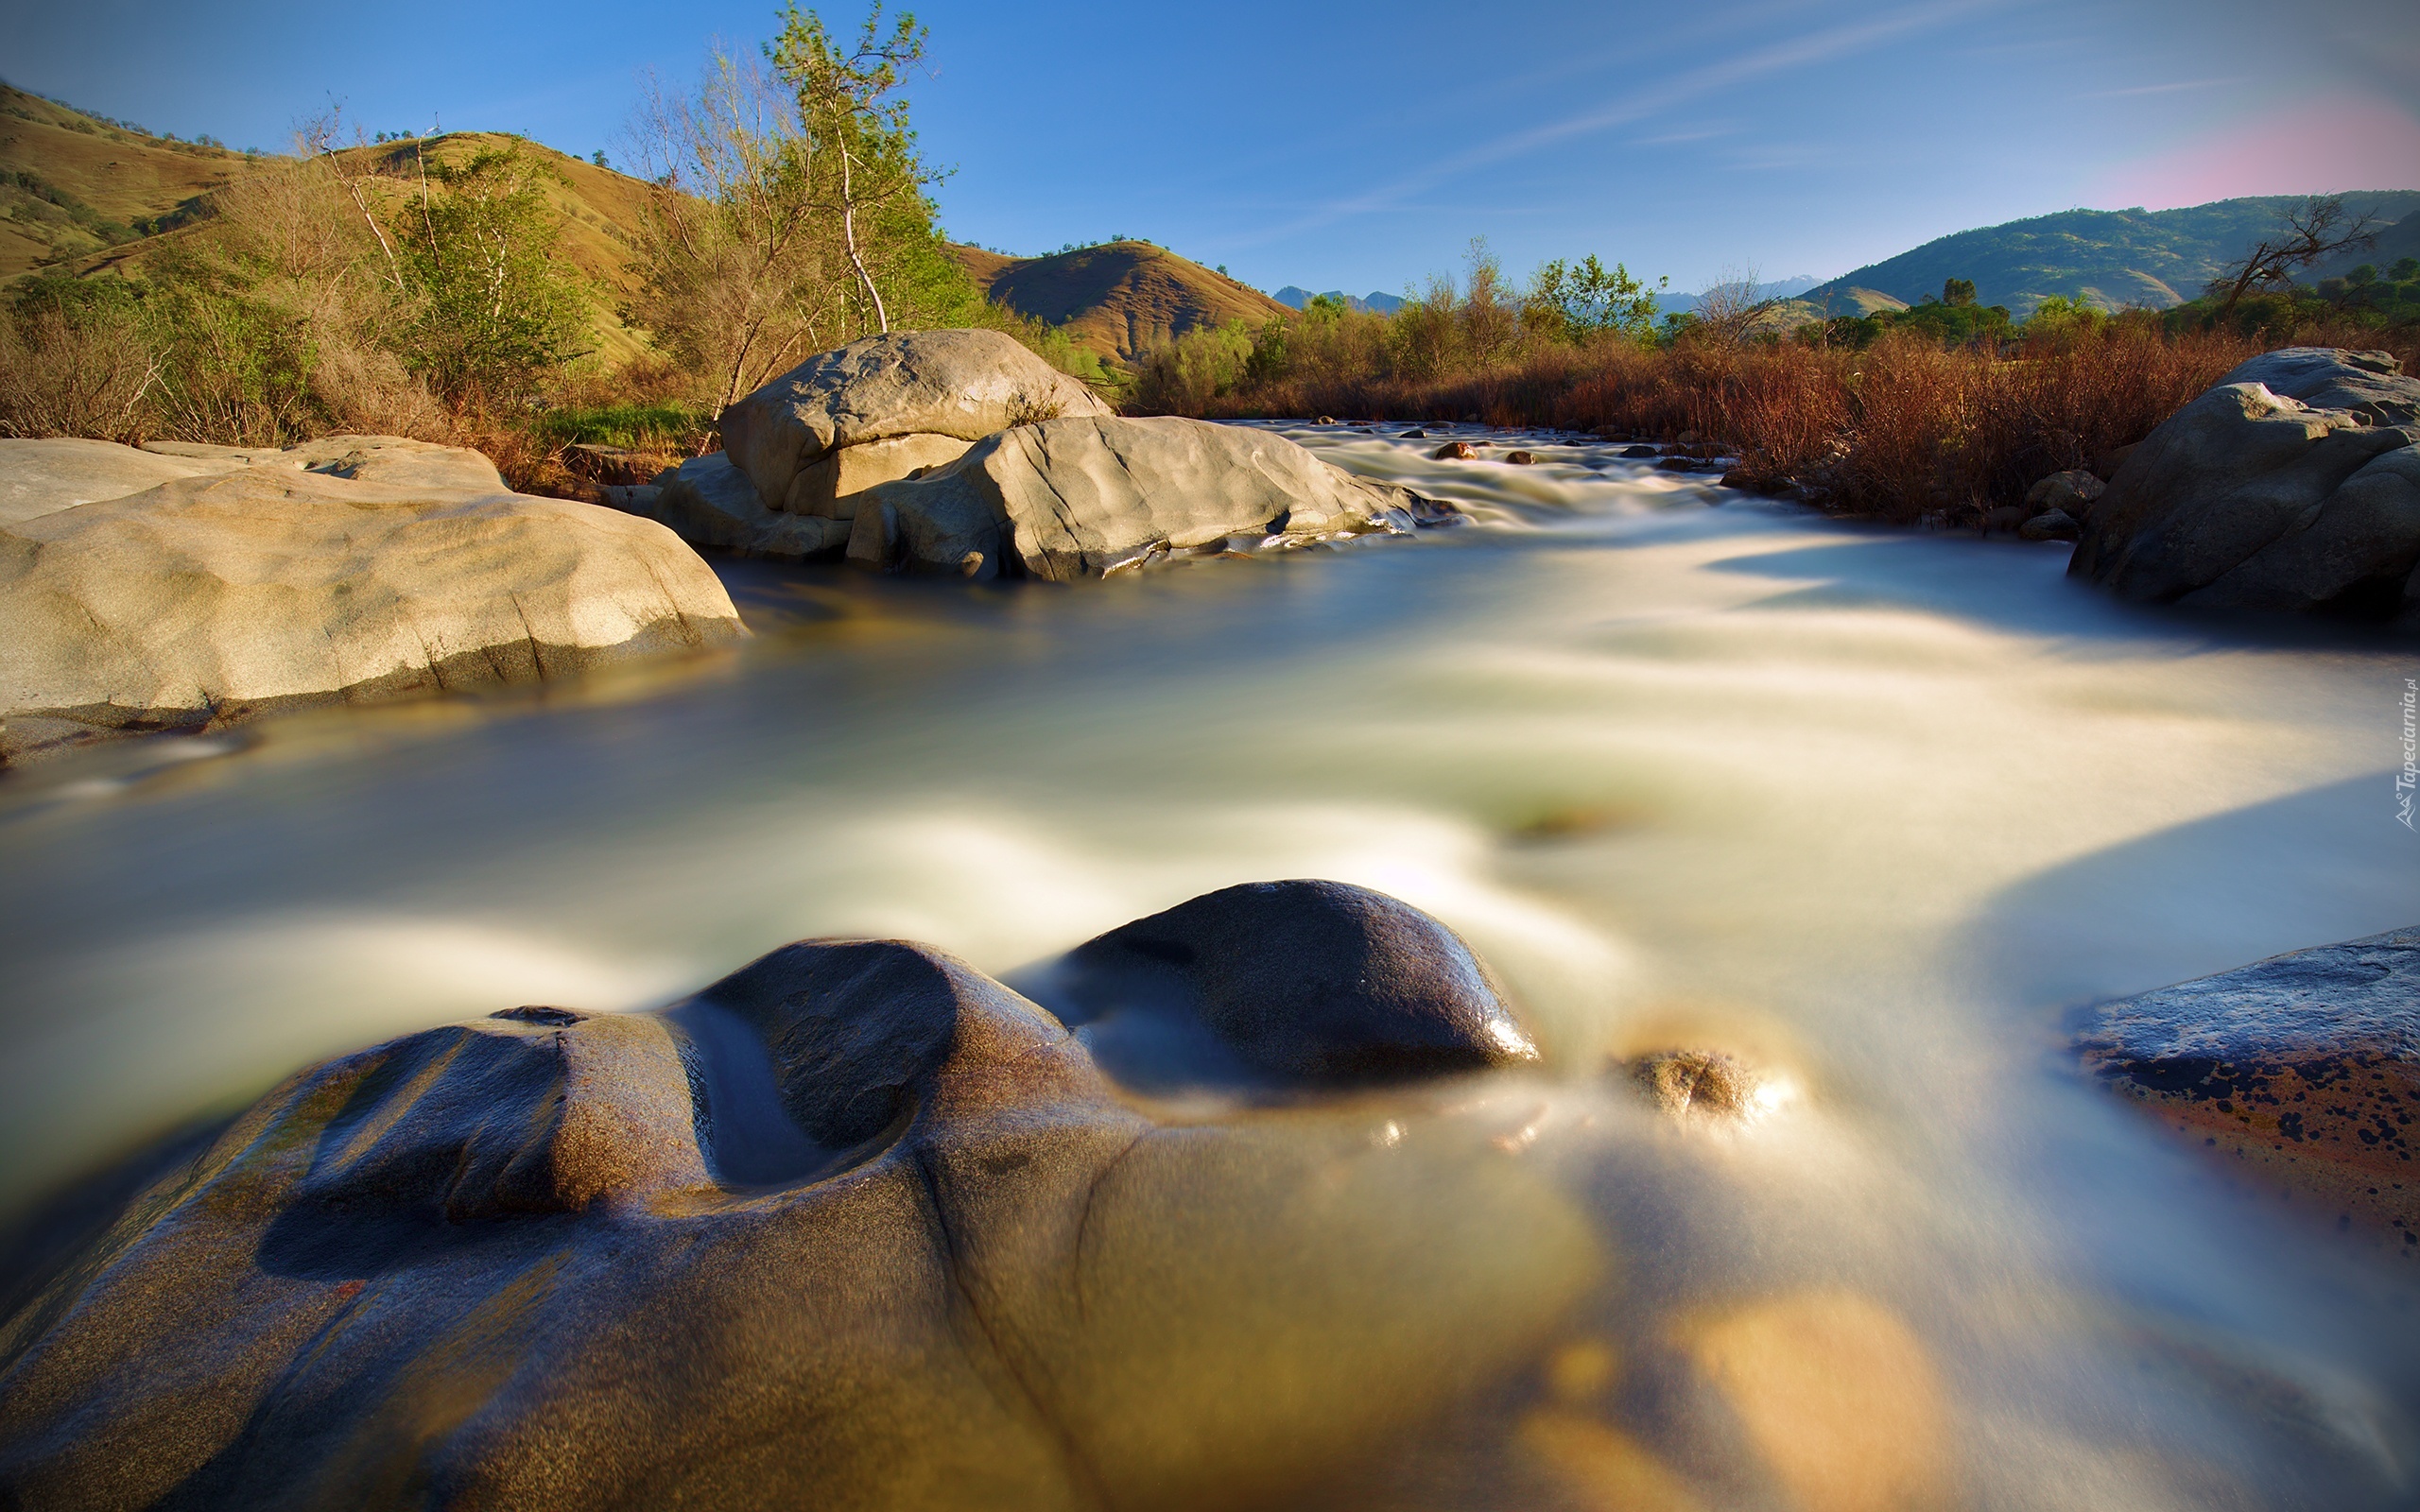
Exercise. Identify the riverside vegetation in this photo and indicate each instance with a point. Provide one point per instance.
(1948, 409)
(780, 206)
(412, 286)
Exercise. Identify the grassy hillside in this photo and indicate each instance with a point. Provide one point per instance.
(71, 185)
(2109, 258)
(1119, 299)
(147, 193)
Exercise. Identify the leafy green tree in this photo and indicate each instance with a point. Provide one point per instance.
(492, 311)
(864, 159)
(1576, 302)
(1957, 293)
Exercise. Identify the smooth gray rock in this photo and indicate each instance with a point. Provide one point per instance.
(2369, 383)
(2051, 525)
(708, 503)
(854, 1226)
(1076, 498)
(211, 599)
(962, 384)
(1312, 982)
(2249, 499)
(2300, 1071)
(2072, 492)
(39, 477)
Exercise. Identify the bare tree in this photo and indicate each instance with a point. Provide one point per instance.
(1734, 305)
(2312, 232)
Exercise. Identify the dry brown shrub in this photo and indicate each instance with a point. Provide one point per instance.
(61, 376)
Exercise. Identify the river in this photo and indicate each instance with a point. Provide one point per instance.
(1881, 810)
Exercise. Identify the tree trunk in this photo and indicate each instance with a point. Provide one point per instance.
(849, 239)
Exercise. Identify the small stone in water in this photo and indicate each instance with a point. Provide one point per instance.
(1519, 459)
(1699, 1081)
(1455, 452)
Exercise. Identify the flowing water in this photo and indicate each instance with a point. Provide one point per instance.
(1878, 811)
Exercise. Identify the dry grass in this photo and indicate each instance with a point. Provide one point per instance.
(1903, 429)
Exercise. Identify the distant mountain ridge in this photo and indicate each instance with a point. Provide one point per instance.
(1780, 288)
(2108, 258)
(1295, 297)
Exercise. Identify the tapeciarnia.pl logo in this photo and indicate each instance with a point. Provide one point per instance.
(2409, 777)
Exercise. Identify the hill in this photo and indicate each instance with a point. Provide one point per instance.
(2109, 258)
(1119, 299)
(93, 196)
(73, 183)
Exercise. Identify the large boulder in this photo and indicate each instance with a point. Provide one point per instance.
(2249, 498)
(209, 597)
(1080, 497)
(2301, 1073)
(2369, 383)
(707, 501)
(854, 1226)
(945, 385)
(39, 477)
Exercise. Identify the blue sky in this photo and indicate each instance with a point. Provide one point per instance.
(1360, 146)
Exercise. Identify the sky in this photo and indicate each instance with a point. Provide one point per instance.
(1362, 145)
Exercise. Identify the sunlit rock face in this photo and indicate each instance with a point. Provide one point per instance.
(856, 1226)
(2301, 1072)
(143, 592)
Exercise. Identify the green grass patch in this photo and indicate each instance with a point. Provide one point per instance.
(638, 428)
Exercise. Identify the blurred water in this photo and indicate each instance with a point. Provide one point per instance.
(1878, 809)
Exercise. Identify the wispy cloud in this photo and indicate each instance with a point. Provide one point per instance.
(2160, 89)
(1777, 58)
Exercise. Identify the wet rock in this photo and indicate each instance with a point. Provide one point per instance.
(1700, 1083)
(1325, 420)
(856, 1226)
(2051, 525)
(2005, 519)
(2072, 492)
(2300, 1073)
(2105, 465)
(1641, 453)
(706, 501)
(1455, 452)
(1520, 458)
(1313, 982)
(1415, 434)
(1069, 499)
(962, 383)
(2251, 499)
(354, 569)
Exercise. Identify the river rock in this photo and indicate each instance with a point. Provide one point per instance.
(854, 1226)
(962, 383)
(211, 597)
(2072, 492)
(2299, 1073)
(1455, 452)
(831, 485)
(1311, 981)
(2252, 499)
(707, 501)
(2371, 384)
(2051, 525)
(1075, 498)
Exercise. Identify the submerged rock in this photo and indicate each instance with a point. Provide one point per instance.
(965, 384)
(1455, 452)
(1700, 1083)
(355, 569)
(2252, 498)
(2301, 1072)
(1076, 498)
(856, 1226)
